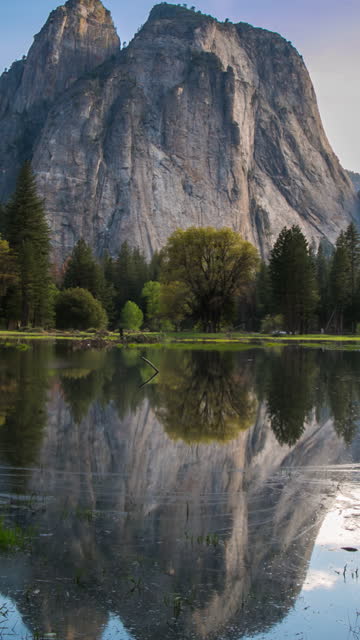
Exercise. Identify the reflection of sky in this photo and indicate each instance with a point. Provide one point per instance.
(328, 603)
(324, 31)
(115, 629)
(11, 624)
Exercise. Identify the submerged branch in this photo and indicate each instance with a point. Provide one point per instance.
(150, 363)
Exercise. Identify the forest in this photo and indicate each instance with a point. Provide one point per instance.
(204, 279)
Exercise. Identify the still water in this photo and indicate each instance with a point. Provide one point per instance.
(213, 502)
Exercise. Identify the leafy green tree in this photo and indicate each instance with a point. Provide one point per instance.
(293, 279)
(131, 316)
(214, 266)
(28, 236)
(173, 306)
(8, 268)
(151, 294)
(78, 309)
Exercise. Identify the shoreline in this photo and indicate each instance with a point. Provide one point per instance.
(134, 339)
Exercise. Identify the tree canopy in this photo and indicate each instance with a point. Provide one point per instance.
(214, 266)
(131, 316)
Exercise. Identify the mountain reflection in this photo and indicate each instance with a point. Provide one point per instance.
(178, 541)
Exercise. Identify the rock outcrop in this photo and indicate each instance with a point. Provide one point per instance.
(196, 122)
(355, 179)
(77, 37)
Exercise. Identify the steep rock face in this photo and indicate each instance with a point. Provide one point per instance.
(77, 37)
(355, 179)
(195, 123)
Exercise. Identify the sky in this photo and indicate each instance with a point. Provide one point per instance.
(325, 32)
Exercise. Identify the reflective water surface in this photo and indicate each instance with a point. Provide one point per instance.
(213, 502)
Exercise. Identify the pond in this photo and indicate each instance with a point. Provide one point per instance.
(213, 502)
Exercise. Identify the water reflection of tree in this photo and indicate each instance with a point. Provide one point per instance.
(102, 377)
(205, 396)
(291, 393)
(341, 371)
(84, 379)
(24, 382)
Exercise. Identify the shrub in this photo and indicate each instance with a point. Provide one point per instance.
(272, 323)
(78, 309)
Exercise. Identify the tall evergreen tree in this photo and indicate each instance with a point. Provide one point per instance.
(131, 273)
(28, 235)
(293, 279)
(83, 271)
(262, 293)
(340, 282)
(322, 265)
(352, 238)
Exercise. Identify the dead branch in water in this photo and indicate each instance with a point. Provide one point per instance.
(150, 363)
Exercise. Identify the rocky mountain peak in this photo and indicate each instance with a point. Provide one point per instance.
(196, 122)
(76, 38)
(166, 11)
(93, 8)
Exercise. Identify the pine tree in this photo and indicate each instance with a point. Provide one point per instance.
(262, 293)
(83, 271)
(28, 235)
(340, 283)
(293, 281)
(322, 265)
(352, 239)
(131, 273)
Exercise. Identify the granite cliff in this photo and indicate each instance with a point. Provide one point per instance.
(196, 122)
(355, 179)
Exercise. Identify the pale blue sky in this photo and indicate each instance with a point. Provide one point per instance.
(326, 33)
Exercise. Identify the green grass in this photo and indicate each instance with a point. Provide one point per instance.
(12, 538)
(184, 339)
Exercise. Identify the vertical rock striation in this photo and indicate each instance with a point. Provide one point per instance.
(194, 123)
(77, 37)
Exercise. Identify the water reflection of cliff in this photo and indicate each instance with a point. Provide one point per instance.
(132, 517)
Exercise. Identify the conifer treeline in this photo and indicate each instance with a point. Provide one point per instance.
(298, 290)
